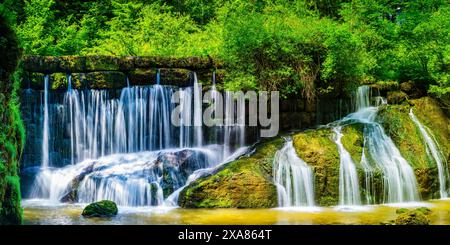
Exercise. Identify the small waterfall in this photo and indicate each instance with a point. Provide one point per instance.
(135, 179)
(349, 194)
(186, 116)
(400, 184)
(198, 119)
(293, 178)
(368, 177)
(435, 153)
(45, 132)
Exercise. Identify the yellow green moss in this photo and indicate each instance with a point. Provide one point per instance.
(353, 140)
(317, 149)
(244, 183)
(407, 137)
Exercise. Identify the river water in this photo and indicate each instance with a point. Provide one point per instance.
(37, 212)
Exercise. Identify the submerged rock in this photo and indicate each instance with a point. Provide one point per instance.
(71, 195)
(177, 166)
(103, 208)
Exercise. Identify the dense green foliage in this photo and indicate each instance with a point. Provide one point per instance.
(12, 132)
(293, 46)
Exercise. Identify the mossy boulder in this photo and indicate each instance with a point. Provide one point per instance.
(418, 216)
(103, 208)
(317, 149)
(243, 183)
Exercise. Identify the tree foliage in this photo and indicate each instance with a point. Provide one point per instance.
(295, 46)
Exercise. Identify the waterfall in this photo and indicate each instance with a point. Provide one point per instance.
(121, 145)
(399, 181)
(186, 116)
(198, 112)
(349, 194)
(293, 178)
(134, 179)
(100, 126)
(45, 132)
(435, 153)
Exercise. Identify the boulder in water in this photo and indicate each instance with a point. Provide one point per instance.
(103, 208)
(177, 166)
(414, 217)
(71, 195)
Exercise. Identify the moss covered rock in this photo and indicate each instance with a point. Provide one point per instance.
(413, 217)
(407, 137)
(353, 140)
(103, 208)
(106, 80)
(244, 183)
(317, 148)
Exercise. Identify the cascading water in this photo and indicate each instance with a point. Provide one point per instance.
(45, 132)
(293, 177)
(435, 153)
(349, 194)
(198, 112)
(400, 184)
(121, 146)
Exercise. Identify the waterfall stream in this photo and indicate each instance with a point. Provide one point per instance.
(399, 181)
(293, 177)
(349, 194)
(123, 147)
(435, 153)
(45, 131)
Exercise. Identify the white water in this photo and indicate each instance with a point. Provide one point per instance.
(121, 148)
(45, 131)
(400, 184)
(133, 179)
(349, 194)
(198, 112)
(293, 177)
(436, 154)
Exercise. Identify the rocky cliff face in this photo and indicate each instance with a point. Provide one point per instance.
(11, 129)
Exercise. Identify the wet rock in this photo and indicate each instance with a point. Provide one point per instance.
(177, 77)
(103, 208)
(414, 217)
(404, 133)
(142, 77)
(244, 183)
(318, 150)
(71, 195)
(106, 80)
(176, 168)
